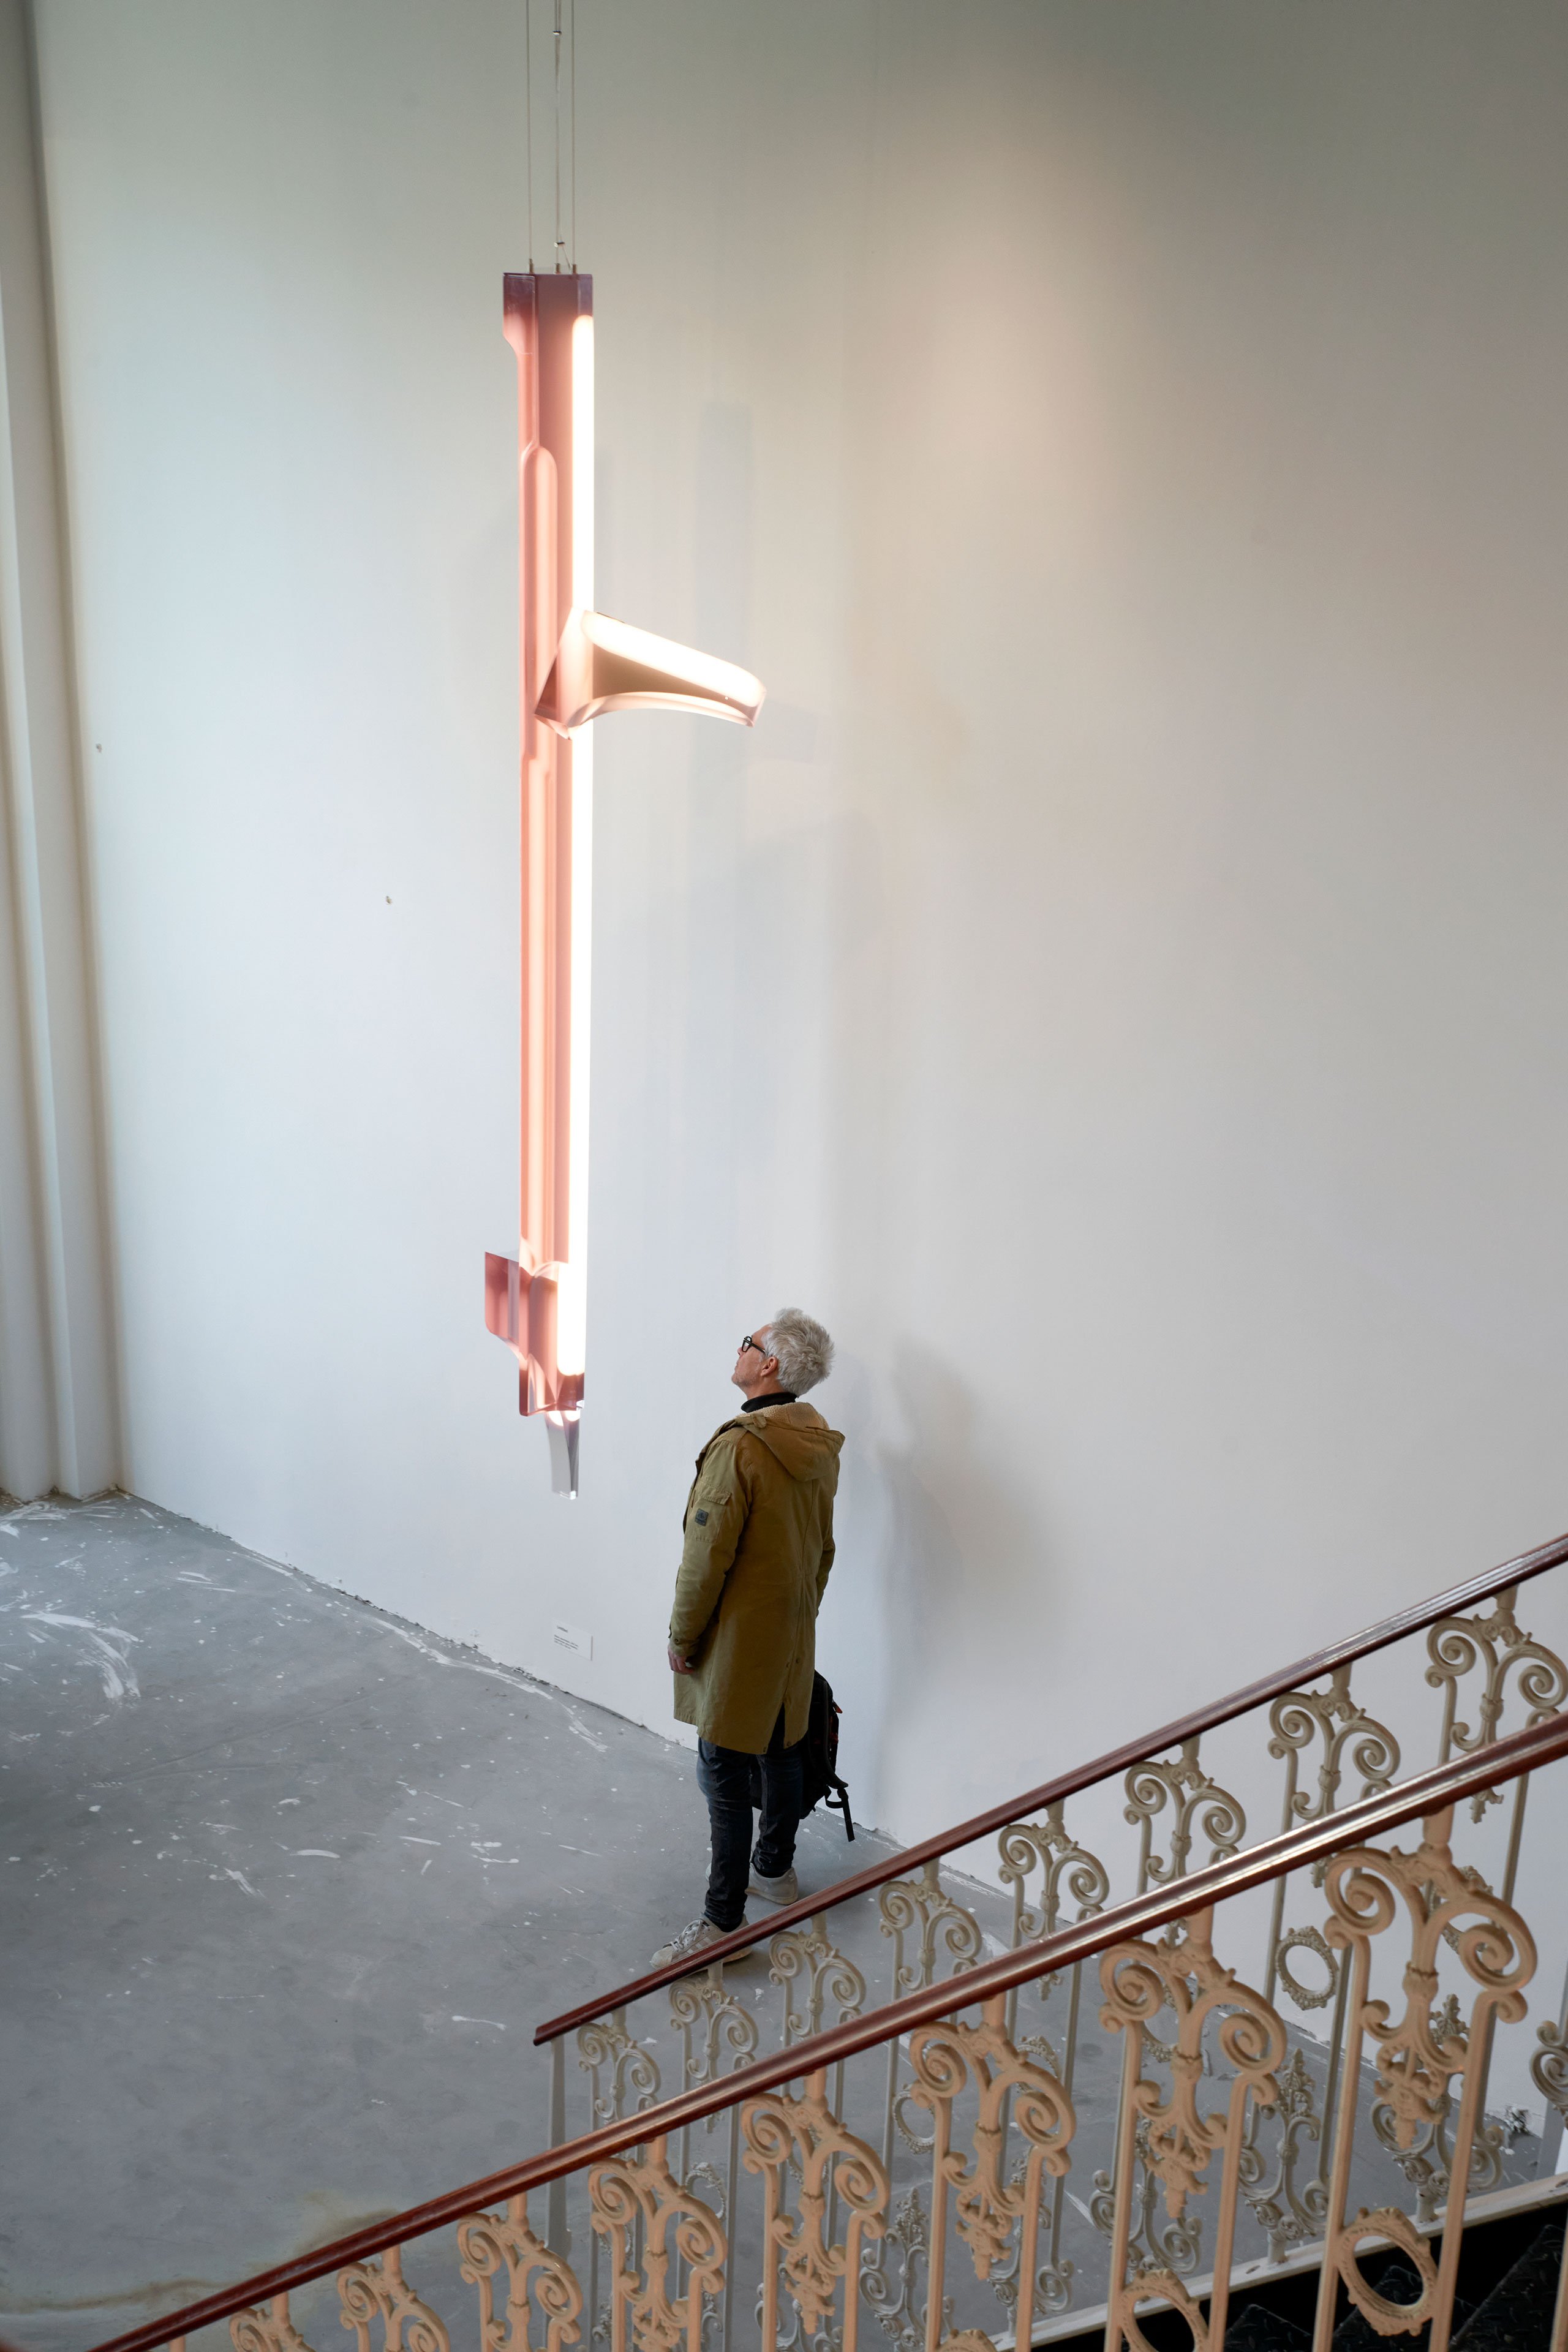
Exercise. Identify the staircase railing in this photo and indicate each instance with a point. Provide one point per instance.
(1458, 1643)
(1284, 1750)
(768, 2206)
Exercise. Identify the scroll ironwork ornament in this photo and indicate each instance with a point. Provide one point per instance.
(1457, 1645)
(1044, 2051)
(714, 2028)
(1426, 2161)
(1299, 1718)
(1198, 1806)
(491, 2243)
(797, 2336)
(1027, 1846)
(378, 2290)
(604, 2048)
(706, 2176)
(943, 2059)
(922, 1906)
(1137, 1980)
(901, 2314)
(807, 1957)
(1549, 2067)
(271, 2330)
(1290, 2214)
(1151, 2244)
(1419, 2055)
(1053, 2279)
(648, 2218)
(777, 2128)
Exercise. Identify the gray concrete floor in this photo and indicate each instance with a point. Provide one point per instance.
(288, 1885)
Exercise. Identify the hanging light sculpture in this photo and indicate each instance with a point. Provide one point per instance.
(575, 664)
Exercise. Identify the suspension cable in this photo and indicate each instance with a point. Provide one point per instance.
(528, 117)
(560, 247)
(573, 69)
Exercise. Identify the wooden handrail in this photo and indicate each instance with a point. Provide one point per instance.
(1072, 1784)
(1429, 1792)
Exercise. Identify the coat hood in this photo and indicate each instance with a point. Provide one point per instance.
(798, 1437)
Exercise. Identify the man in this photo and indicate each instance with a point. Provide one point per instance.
(742, 1635)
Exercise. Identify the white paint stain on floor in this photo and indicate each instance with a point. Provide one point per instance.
(107, 1648)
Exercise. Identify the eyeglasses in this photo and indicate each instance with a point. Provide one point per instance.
(749, 1342)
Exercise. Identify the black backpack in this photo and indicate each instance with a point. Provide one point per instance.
(820, 1757)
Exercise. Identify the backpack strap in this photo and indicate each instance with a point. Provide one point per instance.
(838, 1797)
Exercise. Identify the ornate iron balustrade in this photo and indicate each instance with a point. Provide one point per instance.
(757, 2206)
(1295, 1744)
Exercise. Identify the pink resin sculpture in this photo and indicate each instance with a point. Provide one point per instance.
(576, 663)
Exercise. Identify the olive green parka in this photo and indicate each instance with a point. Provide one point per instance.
(759, 1546)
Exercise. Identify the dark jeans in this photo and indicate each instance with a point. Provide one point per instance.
(724, 1777)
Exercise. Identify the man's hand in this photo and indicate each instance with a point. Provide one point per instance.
(677, 1664)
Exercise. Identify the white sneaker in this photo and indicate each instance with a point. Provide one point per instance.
(689, 1943)
(785, 1888)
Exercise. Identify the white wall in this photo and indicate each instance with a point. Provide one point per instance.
(58, 1408)
(1120, 985)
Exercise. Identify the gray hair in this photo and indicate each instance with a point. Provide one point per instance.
(802, 1348)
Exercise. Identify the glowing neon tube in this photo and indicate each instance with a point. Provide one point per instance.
(575, 664)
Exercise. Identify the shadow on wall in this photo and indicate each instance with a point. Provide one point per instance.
(962, 1556)
(723, 553)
